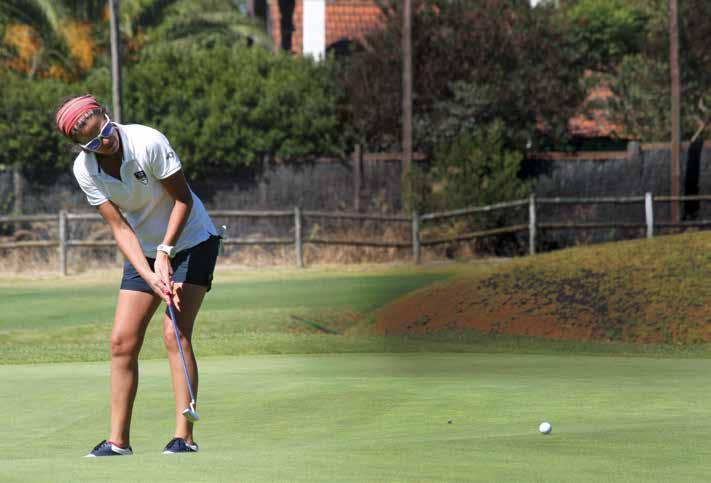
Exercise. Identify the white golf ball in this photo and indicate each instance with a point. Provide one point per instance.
(545, 427)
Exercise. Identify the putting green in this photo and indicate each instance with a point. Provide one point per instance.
(373, 417)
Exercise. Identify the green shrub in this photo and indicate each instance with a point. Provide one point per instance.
(28, 136)
(229, 107)
(477, 169)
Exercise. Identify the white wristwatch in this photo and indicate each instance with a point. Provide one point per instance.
(167, 249)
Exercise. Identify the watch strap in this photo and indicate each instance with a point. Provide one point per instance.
(167, 249)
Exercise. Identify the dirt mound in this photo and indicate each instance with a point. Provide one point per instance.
(642, 291)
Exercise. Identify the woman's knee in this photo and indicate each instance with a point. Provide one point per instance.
(169, 339)
(123, 345)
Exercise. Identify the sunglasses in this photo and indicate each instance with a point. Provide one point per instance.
(106, 131)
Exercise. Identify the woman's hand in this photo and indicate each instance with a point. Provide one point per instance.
(177, 291)
(164, 271)
(159, 286)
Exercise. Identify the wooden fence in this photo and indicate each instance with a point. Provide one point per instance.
(416, 220)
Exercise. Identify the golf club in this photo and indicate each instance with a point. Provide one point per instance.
(190, 413)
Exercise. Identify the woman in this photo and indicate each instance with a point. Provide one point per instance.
(131, 174)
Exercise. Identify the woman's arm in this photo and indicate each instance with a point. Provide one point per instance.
(131, 248)
(178, 189)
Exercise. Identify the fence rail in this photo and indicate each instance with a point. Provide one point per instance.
(415, 243)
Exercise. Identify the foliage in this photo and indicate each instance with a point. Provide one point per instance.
(224, 107)
(606, 30)
(640, 79)
(68, 38)
(27, 132)
(518, 66)
(416, 187)
(477, 169)
(59, 39)
(234, 105)
(187, 21)
(642, 97)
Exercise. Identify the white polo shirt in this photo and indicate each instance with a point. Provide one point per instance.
(147, 159)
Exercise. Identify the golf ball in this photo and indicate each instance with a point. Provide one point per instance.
(545, 428)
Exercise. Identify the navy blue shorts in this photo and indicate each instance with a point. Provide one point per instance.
(194, 265)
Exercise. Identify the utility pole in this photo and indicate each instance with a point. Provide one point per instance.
(116, 91)
(406, 88)
(675, 106)
(115, 61)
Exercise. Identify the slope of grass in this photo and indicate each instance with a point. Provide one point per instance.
(639, 291)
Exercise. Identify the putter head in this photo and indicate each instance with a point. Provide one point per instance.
(190, 413)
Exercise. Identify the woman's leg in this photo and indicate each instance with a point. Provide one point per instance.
(133, 312)
(190, 301)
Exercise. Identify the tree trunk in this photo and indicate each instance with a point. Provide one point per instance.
(406, 96)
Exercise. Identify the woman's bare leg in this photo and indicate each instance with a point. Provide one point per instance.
(190, 301)
(133, 313)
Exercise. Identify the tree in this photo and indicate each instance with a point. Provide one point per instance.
(183, 22)
(606, 30)
(49, 39)
(640, 82)
(28, 137)
(67, 38)
(478, 169)
(518, 63)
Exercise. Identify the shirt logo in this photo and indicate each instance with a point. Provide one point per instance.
(141, 176)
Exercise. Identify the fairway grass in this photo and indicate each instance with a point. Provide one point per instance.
(373, 417)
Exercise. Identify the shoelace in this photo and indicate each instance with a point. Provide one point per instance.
(98, 446)
(174, 441)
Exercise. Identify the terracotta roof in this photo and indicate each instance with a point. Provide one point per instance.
(345, 19)
(595, 122)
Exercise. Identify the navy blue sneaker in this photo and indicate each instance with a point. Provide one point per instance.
(179, 445)
(107, 448)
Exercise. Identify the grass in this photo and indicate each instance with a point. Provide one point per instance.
(374, 417)
(282, 401)
(49, 320)
(46, 319)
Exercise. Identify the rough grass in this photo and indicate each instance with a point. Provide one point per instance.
(52, 319)
(635, 291)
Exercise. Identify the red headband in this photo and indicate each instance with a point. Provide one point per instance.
(70, 113)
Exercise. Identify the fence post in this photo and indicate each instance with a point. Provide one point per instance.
(649, 213)
(416, 237)
(63, 242)
(532, 225)
(298, 245)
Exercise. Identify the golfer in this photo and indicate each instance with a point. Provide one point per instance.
(132, 175)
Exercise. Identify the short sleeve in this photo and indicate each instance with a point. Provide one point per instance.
(95, 194)
(163, 160)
